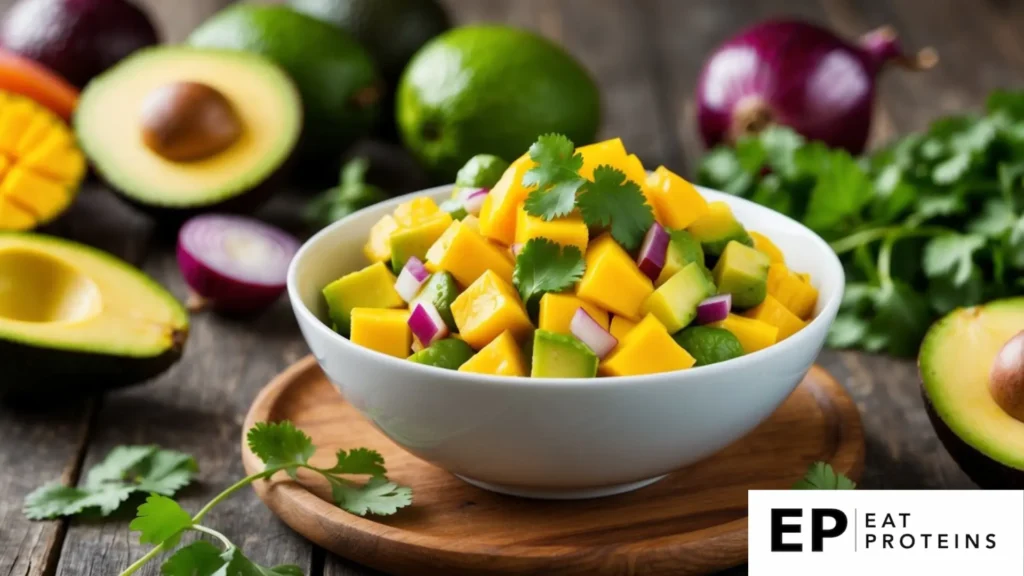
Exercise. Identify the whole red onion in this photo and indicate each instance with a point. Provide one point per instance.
(799, 75)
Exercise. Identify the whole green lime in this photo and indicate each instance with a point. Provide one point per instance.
(491, 90)
(334, 74)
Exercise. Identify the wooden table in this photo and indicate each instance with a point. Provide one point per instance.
(646, 55)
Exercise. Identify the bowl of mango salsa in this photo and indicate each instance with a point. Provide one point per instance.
(569, 325)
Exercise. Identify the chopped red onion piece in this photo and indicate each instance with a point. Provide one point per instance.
(584, 327)
(474, 200)
(426, 323)
(653, 251)
(412, 277)
(714, 309)
(516, 248)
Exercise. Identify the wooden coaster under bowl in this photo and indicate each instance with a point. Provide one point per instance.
(692, 522)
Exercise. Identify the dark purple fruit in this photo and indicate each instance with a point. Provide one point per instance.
(78, 39)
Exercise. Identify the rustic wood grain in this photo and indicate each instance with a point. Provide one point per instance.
(691, 522)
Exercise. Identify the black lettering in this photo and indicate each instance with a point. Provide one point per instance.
(869, 539)
(943, 541)
(869, 520)
(779, 528)
(925, 537)
(818, 531)
(886, 540)
(904, 515)
(991, 539)
(903, 541)
(973, 540)
(888, 522)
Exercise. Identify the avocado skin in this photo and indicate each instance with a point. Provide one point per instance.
(982, 470)
(32, 371)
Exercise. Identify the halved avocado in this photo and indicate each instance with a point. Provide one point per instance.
(956, 362)
(180, 129)
(76, 319)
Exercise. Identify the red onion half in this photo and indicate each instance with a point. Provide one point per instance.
(799, 75)
(234, 263)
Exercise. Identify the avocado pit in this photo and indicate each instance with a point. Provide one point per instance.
(189, 121)
(1006, 378)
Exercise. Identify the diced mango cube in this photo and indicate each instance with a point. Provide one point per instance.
(415, 240)
(636, 172)
(488, 307)
(773, 312)
(607, 153)
(557, 310)
(378, 246)
(383, 330)
(764, 245)
(612, 279)
(501, 357)
(621, 326)
(416, 211)
(804, 276)
(467, 255)
(752, 334)
(677, 203)
(473, 222)
(647, 349)
(789, 289)
(498, 213)
(567, 231)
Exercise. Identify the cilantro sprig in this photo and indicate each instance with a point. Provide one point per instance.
(609, 200)
(126, 470)
(545, 266)
(932, 222)
(821, 476)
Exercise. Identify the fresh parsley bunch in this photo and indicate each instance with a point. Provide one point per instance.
(930, 223)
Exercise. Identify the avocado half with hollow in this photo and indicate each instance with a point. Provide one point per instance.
(187, 129)
(74, 318)
(972, 374)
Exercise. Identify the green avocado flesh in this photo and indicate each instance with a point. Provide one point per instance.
(561, 356)
(441, 290)
(683, 249)
(481, 171)
(717, 229)
(956, 357)
(107, 125)
(742, 272)
(75, 318)
(371, 287)
(709, 345)
(449, 353)
(675, 302)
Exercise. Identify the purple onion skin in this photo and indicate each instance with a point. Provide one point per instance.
(799, 75)
(77, 39)
(224, 293)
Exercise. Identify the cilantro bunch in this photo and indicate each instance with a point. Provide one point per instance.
(930, 223)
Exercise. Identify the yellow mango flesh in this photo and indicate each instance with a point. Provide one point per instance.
(607, 153)
(557, 310)
(792, 291)
(416, 211)
(773, 312)
(567, 231)
(383, 330)
(764, 245)
(620, 327)
(753, 334)
(647, 349)
(378, 247)
(612, 280)
(488, 307)
(677, 203)
(467, 255)
(498, 213)
(501, 357)
(415, 240)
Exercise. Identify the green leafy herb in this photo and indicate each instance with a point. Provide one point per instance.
(614, 202)
(821, 476)
(350, 195)
(544, 266)
(931, 222)
(125, 471)
(556, 177)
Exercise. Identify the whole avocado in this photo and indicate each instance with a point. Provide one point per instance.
(337, 79)
(493, 90)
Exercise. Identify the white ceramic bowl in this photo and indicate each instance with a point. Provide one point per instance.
(561, 438)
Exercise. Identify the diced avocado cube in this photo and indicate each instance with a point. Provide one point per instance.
(455, 208)
(683, 249)
(440, 290)
(742, 272)
(481, 171)
(709, 345)
(561, 356)
(371, 287)
(717, 228)
(675, 302)
(449, 353)
(417, 240)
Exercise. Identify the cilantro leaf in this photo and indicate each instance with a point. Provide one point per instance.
(544, 266)
(952, 254)
(821, 476)
(197, 559)
(612, 201)
(842, 190)
(236, 564)
(902, 316)
(556, 177)
(378, 496)
(160, 519)
(53, 500)
(280, 444)
(118, 464)
(359, 461)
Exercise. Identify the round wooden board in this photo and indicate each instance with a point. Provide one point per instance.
(692, 522)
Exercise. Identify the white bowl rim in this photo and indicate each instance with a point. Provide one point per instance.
(802, 338)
